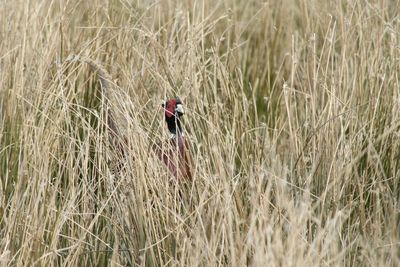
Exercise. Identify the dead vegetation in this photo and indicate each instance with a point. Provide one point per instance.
(292, 113)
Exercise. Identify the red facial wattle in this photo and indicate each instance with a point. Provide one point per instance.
(170, 109)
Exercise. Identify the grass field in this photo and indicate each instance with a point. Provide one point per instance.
(292, 114)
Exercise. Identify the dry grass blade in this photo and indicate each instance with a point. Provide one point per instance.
(291, 115)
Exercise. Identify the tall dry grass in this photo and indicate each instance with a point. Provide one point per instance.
(292, 115)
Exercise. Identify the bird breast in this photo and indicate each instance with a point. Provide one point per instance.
(175, 155)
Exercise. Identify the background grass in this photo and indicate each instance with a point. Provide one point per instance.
(292, 116)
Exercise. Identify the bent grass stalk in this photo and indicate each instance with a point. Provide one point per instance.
(291, 114)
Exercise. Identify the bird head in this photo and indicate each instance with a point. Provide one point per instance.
(173, 110)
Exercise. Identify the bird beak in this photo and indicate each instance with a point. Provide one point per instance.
(179, 109)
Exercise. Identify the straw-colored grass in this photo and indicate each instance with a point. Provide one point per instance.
(293, 118)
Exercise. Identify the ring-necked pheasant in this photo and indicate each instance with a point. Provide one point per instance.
(175, 153)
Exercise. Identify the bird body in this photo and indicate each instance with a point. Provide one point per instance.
(174, 153)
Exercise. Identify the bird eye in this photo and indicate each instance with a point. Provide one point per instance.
(163, 104)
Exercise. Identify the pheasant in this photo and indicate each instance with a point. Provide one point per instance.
(175, 152)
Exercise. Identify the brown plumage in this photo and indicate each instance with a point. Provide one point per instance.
(176, 156)
(117, 140)
(174, 153)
